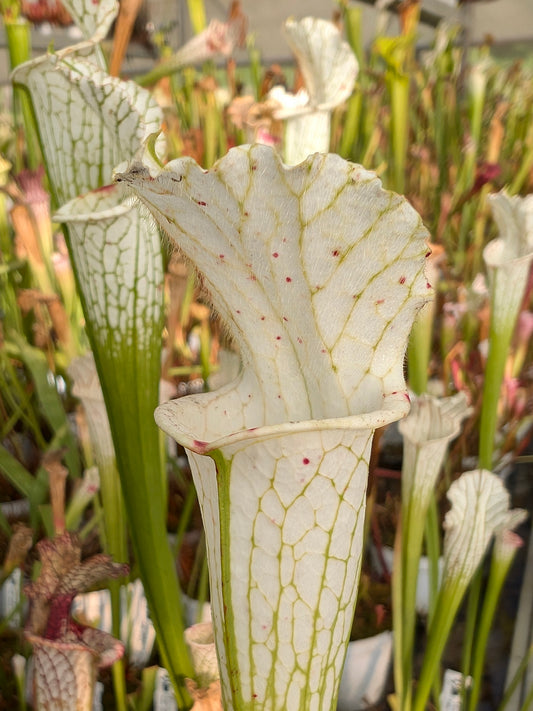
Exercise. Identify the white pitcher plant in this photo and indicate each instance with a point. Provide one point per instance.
(300, 123)
(427, 432)
(88, 122)
(318, 274)
(508, 259)
(480, 510)
(329, 68)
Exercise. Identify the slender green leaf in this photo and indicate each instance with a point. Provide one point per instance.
(50, 402)
(20, 477)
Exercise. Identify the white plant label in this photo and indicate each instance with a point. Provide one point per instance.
(450, 697)
(97, 698)
(10, 598)
(164, 699)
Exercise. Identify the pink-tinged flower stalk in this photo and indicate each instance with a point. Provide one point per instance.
(318, 273)
(66, 653)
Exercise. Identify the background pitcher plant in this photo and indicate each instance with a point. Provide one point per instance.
(88, 123)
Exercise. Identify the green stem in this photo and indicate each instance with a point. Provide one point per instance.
(433, 552)
(515, 681)
(399, 97)
(185, 517)
(197, 15)
(211, 130)
(479, 232)
(19, 45)
(498, 573)
(499, 340)
(114, 515)
(119, 685)
(419, 350)
(477, 102)
(528, 701)
(118, 669)
(187, 299)
(412, 539)
(448, 602)
(21, 692)
(523, 171)
(117, 547)
(465, 227)
(350, 127)
(471, 627)
(352, 16)
(205, 352)
(254, 59)
(440, 137)
(164, 69)
(406, 570)
(11, 316)
(397, 627)
(140, 468)
(223, 468)
(203, 584)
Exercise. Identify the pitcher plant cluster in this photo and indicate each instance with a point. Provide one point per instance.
(354, 237)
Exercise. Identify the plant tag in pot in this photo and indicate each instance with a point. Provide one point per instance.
(452, 687)
(10, 599)
(164, 699)
(97, 698)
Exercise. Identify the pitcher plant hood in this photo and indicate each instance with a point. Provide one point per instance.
(317, 273)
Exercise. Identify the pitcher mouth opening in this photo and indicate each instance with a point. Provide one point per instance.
(172, 416)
